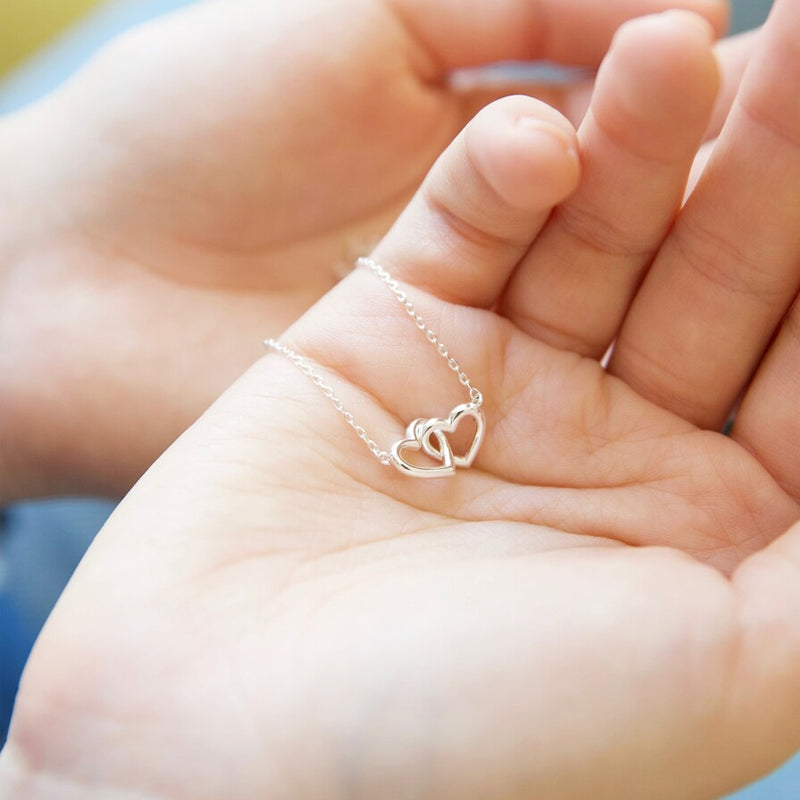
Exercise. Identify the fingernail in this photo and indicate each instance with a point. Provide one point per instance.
(538, 129)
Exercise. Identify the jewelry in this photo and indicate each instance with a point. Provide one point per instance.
(428, 436)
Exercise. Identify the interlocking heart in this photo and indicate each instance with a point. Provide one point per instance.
(430, 436)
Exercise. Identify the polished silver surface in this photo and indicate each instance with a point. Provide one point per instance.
(425, 436)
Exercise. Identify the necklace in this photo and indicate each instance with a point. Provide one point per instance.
(428, 436)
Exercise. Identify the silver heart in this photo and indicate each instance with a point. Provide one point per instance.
(426, 428)
(443, 455)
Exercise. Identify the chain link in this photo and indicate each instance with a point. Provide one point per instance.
(304, 365)
(475, 395)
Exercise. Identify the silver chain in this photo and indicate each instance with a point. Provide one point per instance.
(304, 365)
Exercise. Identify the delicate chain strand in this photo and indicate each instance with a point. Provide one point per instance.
(304, 365)
(474, 394)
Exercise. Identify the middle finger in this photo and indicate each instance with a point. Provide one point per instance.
(729, 271)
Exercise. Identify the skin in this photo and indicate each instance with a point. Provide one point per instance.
(188, 201)
(604, 605)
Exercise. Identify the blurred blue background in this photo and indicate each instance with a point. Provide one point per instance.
(41, 543)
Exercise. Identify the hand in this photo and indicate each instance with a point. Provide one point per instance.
(270, 613)
(202, 183)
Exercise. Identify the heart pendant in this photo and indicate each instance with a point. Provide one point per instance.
(430, 437)
(440, 427)
(444, 455)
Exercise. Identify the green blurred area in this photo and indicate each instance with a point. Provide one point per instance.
(25, 25)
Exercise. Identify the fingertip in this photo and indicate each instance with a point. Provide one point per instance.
(537, 133)
(711, 17)
(687, 23)
(665, 41)
(484, 202)
(526, 151)
(661, 73)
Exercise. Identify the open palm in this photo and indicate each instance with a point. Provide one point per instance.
(601, 606)
(202, 182)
